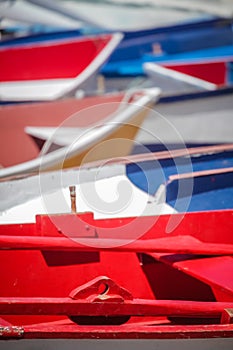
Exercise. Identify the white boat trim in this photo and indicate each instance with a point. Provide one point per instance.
(154, 70)
(33, 89)
(61, 136)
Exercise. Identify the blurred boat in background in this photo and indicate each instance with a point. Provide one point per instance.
(33, 16)
(212, 190)
(117, 118)
(201, 39)
(134, 68)
(138, 46)
(192, 32)
(197, 43)
(171, 181)
(195, 118)
(48, 71)
(197, 180)
(187, 80)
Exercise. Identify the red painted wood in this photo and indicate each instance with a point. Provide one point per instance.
(4, 323)
(179, 245)
(64, 59)
(214, 271)
(128, 332)
(136, 307)
(210, 226)
(53, 274)
(19, 147)
(169, 283)
(214, 72)
(35, 267)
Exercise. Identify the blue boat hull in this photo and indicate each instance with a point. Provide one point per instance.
(134, 67)
(188, 193)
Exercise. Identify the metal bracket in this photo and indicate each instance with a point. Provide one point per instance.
(101, 289)
(11, 332)
(227, 316)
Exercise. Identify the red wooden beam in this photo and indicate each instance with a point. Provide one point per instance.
(211, 226)
(129, 331)
(178, 244)
(136, 307)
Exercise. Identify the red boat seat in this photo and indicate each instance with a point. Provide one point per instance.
(216, 271)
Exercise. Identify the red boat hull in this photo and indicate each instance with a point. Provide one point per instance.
(167, 290)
